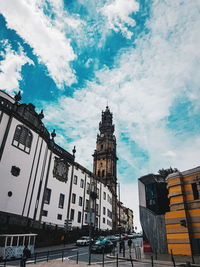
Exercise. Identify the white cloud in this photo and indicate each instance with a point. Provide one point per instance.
(10, 68)
(49, 43)
(118, 15)
(141, 91)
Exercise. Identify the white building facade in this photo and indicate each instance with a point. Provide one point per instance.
(39, 179)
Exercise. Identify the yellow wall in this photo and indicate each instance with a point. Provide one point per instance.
(177, 235)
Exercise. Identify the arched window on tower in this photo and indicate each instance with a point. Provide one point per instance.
(98, 173)
(22, 138)
(101, 147)
(103, 173)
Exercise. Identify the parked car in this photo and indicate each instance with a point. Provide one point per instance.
(101, 237)
(101, 246)
(112, 238)
(132, 235)
(84, 241)
(117, 236)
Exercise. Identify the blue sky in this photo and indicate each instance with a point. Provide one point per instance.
(142, 57)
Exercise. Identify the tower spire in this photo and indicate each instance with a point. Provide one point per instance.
(105, 159)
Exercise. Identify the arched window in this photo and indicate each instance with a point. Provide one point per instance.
(22, 138)
(103, 173)
(98, 174)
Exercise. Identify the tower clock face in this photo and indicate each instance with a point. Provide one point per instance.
(102, 135)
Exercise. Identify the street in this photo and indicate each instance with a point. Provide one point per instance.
(70, 257)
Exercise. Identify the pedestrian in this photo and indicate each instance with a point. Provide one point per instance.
(25, 256)
(130, 244)
(121, 246)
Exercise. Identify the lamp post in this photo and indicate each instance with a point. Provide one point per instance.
(92, 215)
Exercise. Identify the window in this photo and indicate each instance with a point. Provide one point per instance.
(104, 220)
(44, 213)
(47, 196)
(98, 193)
(109, 213)
(72, 215)
(86, 218)
(104, 211)
(22, 138)
(73, 198)
(61, 201)
(88, 188)
(101, 147)
(195, 191)
(97, 208)
(75, 179)
(87, 204)
(82, 183)
(80, 201)
(79, 217)
(59, 217)
(104, 195)
(103, 173)
(98, 174)
(109, 199)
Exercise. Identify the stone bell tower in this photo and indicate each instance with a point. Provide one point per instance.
(105, 159)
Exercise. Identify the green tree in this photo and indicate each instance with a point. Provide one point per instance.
(165, 172)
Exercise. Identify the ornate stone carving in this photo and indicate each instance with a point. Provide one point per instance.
(60, 170)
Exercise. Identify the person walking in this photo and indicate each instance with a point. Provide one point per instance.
(130, 244)
(25, 256)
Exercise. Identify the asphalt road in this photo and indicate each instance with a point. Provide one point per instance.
(81, 252)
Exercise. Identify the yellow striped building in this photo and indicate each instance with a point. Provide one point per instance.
(183, 219)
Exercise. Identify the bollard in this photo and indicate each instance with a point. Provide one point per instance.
(123, 252)
(188, 264)
(89, 259)
(172, 256)
(103, 258)
(193, 259)
(47, 256)
(131, 261)
(117, 260)
(62, 255)
(156, 255)
(35, 258)
(152, 261)
(77, 257)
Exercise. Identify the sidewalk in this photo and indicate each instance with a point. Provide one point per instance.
(160, 259)
(59, 263)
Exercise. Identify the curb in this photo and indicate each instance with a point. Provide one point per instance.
(149, 261)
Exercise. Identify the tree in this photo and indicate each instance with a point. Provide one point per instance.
(165, 172)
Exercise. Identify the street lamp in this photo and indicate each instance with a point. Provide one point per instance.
(92, 215)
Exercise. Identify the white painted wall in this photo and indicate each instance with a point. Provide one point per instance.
(12, 156)
(57, 187)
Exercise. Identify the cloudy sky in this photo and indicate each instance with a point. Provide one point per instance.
(142, 57)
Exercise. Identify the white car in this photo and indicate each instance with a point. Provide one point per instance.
(83, 241)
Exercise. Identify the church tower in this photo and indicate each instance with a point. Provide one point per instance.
(105, 159)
